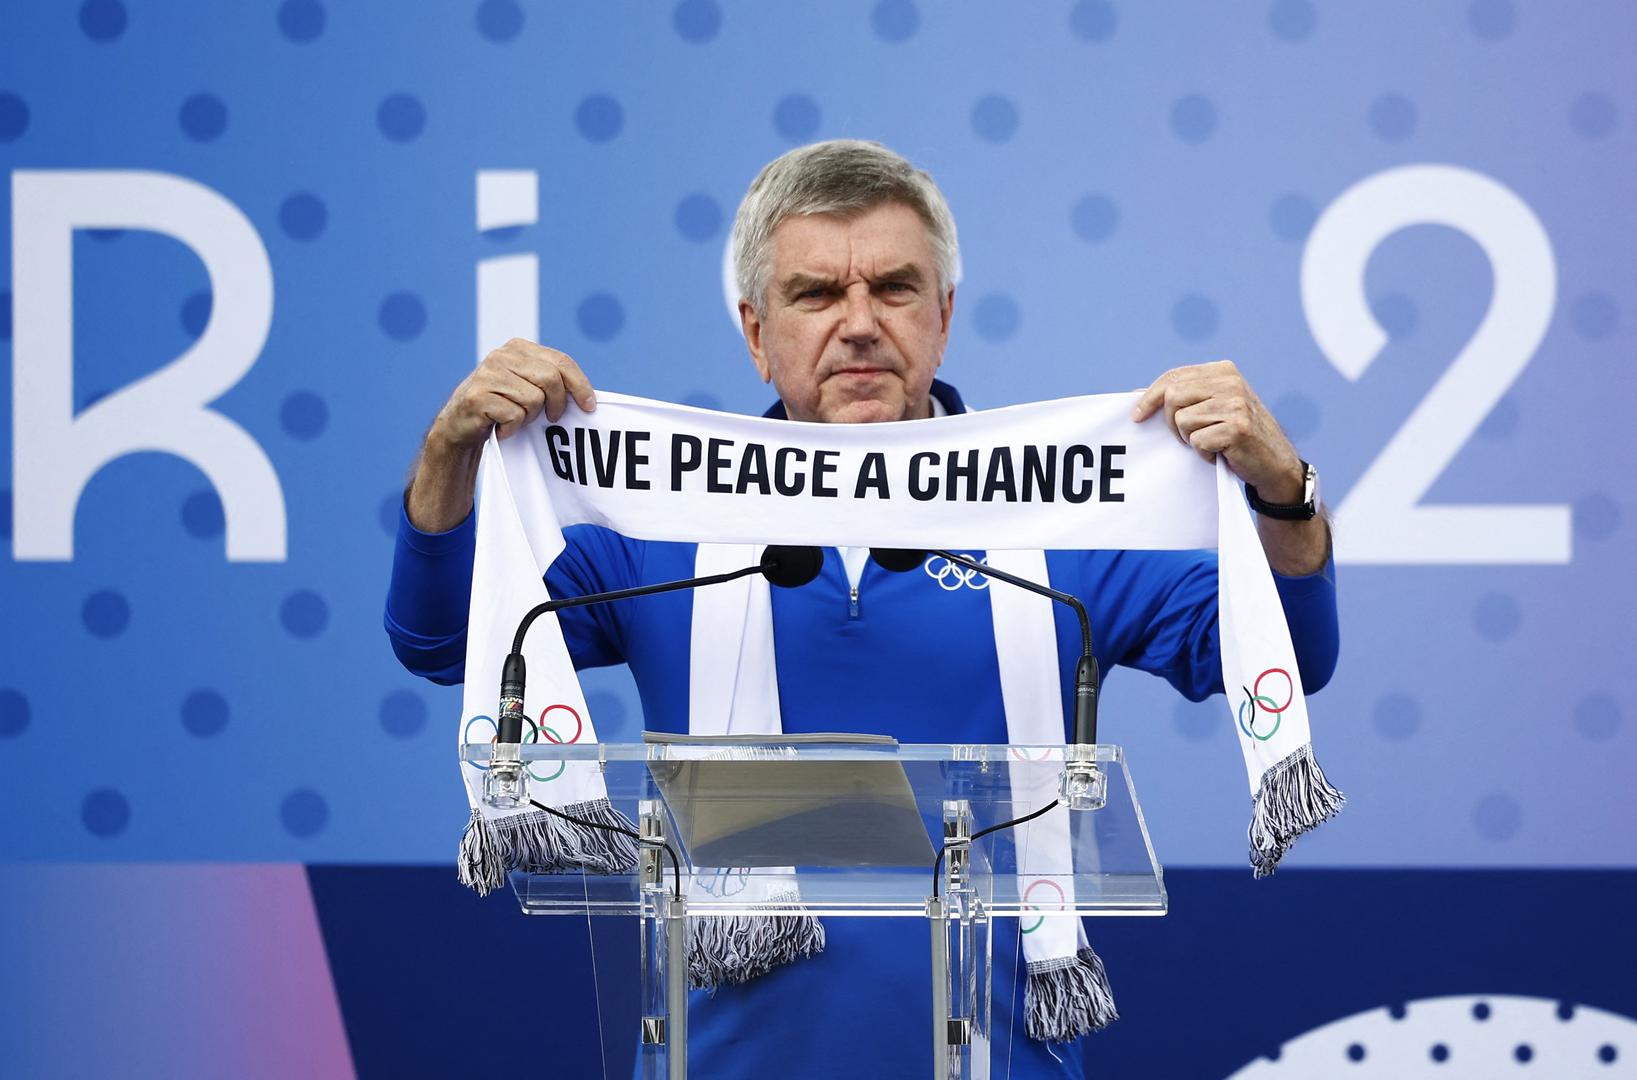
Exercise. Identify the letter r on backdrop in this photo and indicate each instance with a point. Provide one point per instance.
(55, 453)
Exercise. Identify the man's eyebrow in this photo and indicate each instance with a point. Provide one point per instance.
(800, 282)
(909, 274)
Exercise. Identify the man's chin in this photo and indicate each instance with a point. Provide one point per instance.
(866, 411)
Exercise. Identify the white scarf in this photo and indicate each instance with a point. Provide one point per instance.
(1145, 492)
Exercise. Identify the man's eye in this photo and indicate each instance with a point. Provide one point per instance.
(898, 286)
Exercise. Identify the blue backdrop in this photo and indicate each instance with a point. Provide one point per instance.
(1332, 195)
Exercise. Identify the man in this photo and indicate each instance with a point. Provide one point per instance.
(846, 260)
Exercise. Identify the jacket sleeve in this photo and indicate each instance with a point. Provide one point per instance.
(431, 586)
(1175, 632)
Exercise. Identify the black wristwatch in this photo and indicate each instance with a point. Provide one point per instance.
(1302, 511)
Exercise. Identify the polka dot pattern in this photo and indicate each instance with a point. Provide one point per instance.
(994, 118)
(499, 21)
(204, 714)
(697, 21)
(599, 118)
(103, 20)
(1194, 317)
(15, 713)
(1497, 617)
(14, 117)
(304, 813)
(1194, 257)
(303, 216)
(105, 812)
(1596, 517)
(1593, 116)
(402, 316)
(401, 117)
(1397, 716)
(301, 21)
(1491, 20)
(1291, 216)
(1497, 818)
(1196, 721)
(304, 416)
(203, 118)
(1393, 117)
(1594, 316)
(997, 317)
(1093, 20)
(894, 21)
(195, 314)
(403, 714)
(1397, 314)
(1293, 20)
(386, 515)
(304, 614)
(600, 317)
(202, 515)
(1597, 717)
(796, 117)
(1298, 414)
(1095, 218)
(698, 217)
(1193, 119)
(106, 613)
(1502, 420)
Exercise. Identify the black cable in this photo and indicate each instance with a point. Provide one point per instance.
(1032, 586)
(676, 864)
(621, 594)
(938, 863)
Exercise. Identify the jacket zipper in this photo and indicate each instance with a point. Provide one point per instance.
(852, 602)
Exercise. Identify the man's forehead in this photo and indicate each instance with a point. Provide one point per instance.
(888, 236)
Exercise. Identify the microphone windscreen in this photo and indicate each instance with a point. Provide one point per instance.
(789, 567)
(898, 560)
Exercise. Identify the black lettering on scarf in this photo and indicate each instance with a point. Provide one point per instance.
(873, 474)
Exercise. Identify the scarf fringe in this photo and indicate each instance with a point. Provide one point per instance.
(540, 843)
(729, 949)
(1293, 798)
(1065, 999)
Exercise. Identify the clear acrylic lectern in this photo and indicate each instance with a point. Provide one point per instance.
(848, 825)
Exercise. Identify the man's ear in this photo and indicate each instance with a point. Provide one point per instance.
(948, 314)
(751, 324)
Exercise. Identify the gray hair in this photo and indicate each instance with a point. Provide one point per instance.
(841, 176)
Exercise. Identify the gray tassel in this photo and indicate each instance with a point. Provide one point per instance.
(480, 866)
(1068, 997)
(541, 843)
(1294, 797)
(727, 949)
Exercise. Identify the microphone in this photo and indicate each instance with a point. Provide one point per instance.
(1084, 786)
(505, 785)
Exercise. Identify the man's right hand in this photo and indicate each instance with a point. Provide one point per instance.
(510, 388)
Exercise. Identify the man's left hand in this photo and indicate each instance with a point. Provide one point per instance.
(1211, 408)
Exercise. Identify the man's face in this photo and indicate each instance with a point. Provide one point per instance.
(855, 325)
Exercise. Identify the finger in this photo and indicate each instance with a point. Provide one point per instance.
(545, 367)
(1152, 397)
(1181, 395)
(579, 386)
(506, 415)
(1233, 413)
(1212, 439)
(531, 397)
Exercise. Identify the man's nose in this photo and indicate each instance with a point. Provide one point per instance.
(858, 315)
